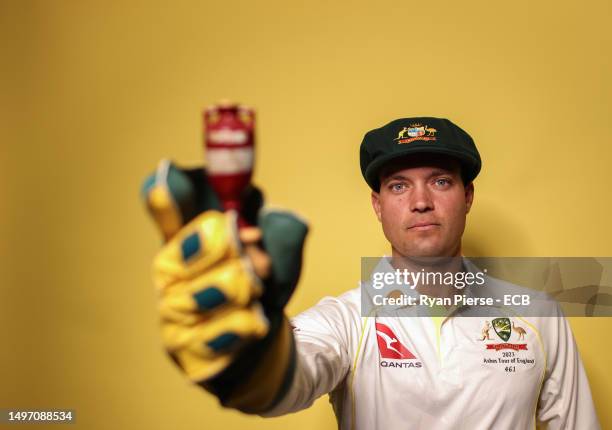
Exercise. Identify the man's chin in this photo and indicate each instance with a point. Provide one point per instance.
(424, 260)
(425, 253)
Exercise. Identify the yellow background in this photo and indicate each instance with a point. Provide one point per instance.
(95, 92)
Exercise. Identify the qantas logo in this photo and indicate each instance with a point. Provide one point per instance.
(388, 344)
(390, 347)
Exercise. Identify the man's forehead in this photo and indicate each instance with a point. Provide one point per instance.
(424, 162)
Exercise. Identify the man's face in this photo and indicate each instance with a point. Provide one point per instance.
(422, 205)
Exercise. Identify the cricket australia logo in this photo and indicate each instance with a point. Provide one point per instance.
(503, 328)
(390, 347)
(416, 132)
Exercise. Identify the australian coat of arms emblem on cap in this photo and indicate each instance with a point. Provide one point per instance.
(416, 132)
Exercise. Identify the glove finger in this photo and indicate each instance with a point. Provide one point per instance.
(198, 369)
(209, 238)
(225, 333)
(229, 331)
(170, 197)
(230, 283)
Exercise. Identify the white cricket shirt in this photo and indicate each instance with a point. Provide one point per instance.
(437, 373)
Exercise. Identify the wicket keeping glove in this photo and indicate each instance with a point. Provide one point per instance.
(222, 290)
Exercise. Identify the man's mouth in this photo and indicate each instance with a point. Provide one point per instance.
(423, 226)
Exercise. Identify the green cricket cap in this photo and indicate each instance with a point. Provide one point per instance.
(405, 136)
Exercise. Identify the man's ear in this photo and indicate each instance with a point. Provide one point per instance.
(469, 196)
(376, 204)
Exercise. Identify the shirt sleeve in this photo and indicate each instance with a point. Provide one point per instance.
(321, 336)
(565, 398)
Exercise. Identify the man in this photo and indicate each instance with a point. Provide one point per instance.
(222, 299)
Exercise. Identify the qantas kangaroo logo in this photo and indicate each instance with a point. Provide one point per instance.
(389, 345)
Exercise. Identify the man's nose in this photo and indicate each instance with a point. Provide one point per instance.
(420, 199)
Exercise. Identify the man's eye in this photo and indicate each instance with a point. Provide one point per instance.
(397, 187)
(442, 182)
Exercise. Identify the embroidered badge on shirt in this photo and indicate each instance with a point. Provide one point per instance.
(506, 355)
